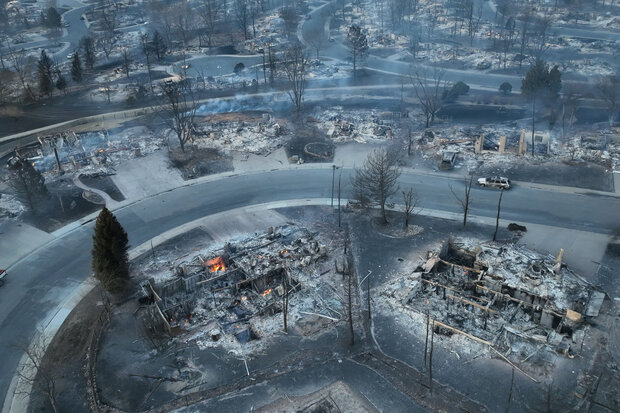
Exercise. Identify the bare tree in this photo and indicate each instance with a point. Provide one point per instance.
(377, 180)
(350, 307)
(147, 50)
(27, 183)
(428, 92)
(108, 91)
(107, 44)
(35, 373)
(295, 64)
(158, 45)
(242, 16)
(317, 38)
(209, 12)
(525, 20)
(358, 45)
(6, 80)
(540, 37)
(183, 21)
(570, 104)
(273, 61)
(414, 39)
(108, 17)
(609, 90)
(411, 202)
(432, 16)
(466, 200)
(179, 109)
(499, 208)
(127, 61)
(473, 19)
(22, 65)
(409, 141)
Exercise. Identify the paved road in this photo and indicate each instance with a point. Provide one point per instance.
(71, 36)
(41, 282)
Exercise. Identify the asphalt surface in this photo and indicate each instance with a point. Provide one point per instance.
(71, 35)
(39, 283)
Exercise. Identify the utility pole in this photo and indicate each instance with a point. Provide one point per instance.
(368, 294)
(333, 176)
(264, 68)
(339, 209)
(533, 122)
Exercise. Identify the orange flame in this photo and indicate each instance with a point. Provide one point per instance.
(216, 264)
(267, 292)
(100, 150)
(244, 298)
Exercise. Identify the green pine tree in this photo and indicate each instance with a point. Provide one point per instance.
(52, 18)
(76, 68)
(110, 260)
(61, 82)
(28, 184)
(87, 44)
(44, 71)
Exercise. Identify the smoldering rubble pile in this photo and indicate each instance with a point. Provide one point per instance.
(602, 147)
(241, 132)
(360, 126)
(503, 143)
(505, 296)
(234, 296)
(88, 153)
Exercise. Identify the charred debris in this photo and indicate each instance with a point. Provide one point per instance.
(226, 293)
(505, 296)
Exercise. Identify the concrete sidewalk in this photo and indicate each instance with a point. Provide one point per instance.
(151, 175)
(18, 240)
(581, 247)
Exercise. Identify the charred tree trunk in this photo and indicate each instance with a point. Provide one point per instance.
(285, 301)
(430, 361)
(350, 305)
(426, 340)
(499, 207)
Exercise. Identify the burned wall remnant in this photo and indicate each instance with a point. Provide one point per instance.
(503, 295)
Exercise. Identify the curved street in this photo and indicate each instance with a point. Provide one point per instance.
(44, 279)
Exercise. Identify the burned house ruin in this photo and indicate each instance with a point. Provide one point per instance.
(222, 294)
(503, 296)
